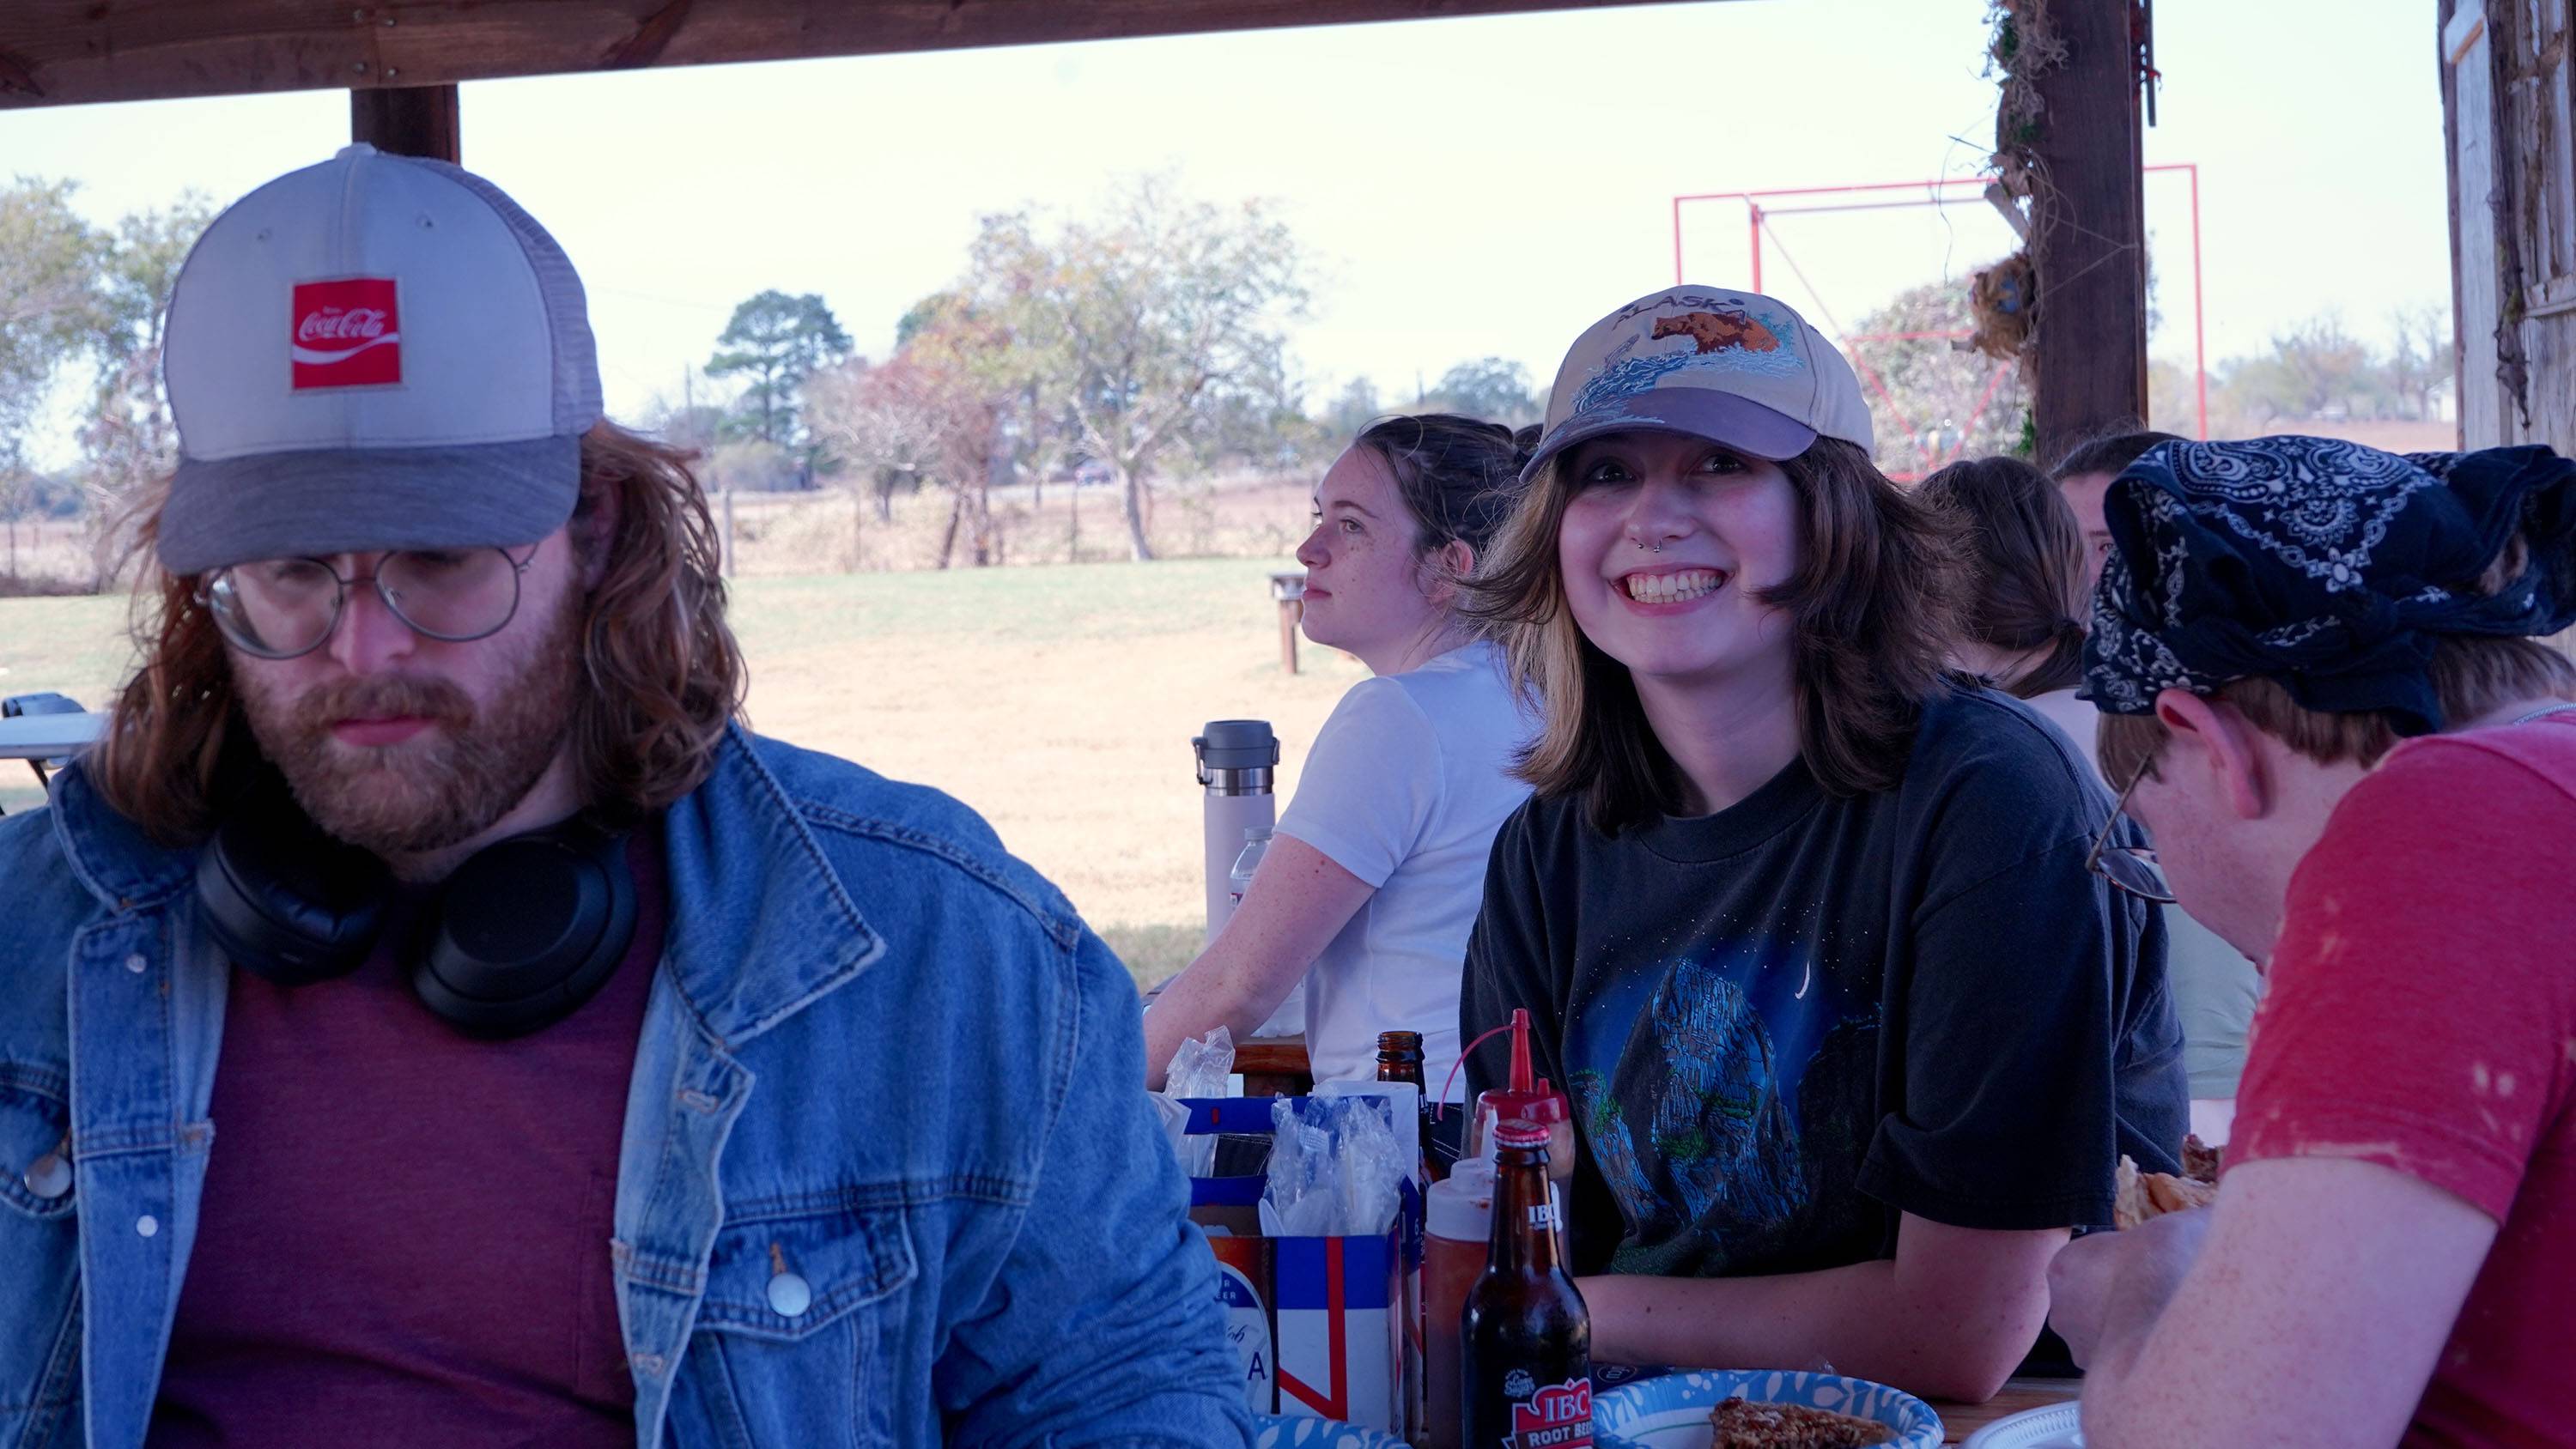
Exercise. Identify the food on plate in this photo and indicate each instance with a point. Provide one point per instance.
(2199, 1159)
(1741, 1424)
(2138, 1196)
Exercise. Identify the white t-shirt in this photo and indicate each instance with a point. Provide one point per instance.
(1405, 787)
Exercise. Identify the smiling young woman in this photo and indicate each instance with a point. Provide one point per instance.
(1852, 1037)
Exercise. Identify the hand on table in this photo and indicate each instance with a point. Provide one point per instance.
(2117, 1283)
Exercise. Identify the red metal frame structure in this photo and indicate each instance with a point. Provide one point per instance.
(1934, 193)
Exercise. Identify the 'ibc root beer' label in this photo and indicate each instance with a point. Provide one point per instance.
(1558, 1416)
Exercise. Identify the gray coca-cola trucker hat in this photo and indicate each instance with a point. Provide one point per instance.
(378, 352)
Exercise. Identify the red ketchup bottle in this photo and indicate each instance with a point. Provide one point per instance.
(1528, 1099)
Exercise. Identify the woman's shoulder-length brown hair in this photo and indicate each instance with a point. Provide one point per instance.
(662, 676)
(1872, 607)
(2023, 554)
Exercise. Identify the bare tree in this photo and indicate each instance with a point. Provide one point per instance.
(934, 410)
(128, 440)
(2420, 363)
(1136, 323)
(50, 311)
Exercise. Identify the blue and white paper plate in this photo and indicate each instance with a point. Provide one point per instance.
(2051, 1426)
(1672, 1412)
(1270, 1431)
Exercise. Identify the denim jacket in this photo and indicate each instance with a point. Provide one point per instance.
(879, 1054)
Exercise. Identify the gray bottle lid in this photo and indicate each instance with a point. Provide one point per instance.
(1237, 744)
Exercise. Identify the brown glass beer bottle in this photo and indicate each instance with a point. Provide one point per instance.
(1399, 1059)
(1526, 1376)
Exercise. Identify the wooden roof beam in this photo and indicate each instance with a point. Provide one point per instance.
(76, 52)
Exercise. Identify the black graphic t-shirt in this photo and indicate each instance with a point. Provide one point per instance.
(1785, 1023)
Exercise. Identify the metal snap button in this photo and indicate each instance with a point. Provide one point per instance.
(790, 1295)
(49, 1176)
(147, 1226)
(135, 963)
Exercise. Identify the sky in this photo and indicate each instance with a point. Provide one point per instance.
(1464, 187)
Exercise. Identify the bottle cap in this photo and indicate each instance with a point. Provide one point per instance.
(1528, 1098)
(1237, 744)
(1516, 1132)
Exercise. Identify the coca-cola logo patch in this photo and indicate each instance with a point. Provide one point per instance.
(346, 334)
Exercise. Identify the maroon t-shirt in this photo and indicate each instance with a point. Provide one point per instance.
(404, 1237)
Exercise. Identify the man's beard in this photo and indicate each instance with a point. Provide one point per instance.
(433, 790)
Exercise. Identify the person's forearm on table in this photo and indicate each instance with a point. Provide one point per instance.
(1213, 992)
(1898, 1322)
(1299, 899)
(2136, 1303)
(2324, 1280)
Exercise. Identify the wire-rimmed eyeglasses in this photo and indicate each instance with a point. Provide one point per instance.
(285, 608)
(2132, 868)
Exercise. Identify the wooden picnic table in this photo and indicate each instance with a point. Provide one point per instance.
(1274, 1066)
(2019, 1395)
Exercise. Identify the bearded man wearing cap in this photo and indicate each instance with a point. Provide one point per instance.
(431, 1017)
(2324, 689)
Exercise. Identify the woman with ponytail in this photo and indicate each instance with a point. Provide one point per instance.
(1372, 883)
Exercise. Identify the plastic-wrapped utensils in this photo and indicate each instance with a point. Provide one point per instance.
(1335, 1168)
(1199, 1069)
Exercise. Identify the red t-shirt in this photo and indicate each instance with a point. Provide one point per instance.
(2422, 1015)
(404, 1235)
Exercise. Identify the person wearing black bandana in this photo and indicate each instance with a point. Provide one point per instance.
(2326, 696)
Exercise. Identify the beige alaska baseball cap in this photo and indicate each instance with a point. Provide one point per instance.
(1736, 368)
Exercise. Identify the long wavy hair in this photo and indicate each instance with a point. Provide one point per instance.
(1871, 606)
(661, 671)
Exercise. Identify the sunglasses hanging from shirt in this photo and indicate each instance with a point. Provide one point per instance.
(522, 934)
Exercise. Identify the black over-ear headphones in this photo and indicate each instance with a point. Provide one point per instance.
(516, 940)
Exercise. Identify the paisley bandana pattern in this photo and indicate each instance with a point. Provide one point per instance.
(2325, 565)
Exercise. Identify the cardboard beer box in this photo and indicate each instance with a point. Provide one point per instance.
(1318, 1322)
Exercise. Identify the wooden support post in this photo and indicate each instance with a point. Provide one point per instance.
(2089, 369)
(725, 496)
(1289, 590)
(407, 121)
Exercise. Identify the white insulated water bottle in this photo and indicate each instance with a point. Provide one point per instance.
(1236, 758)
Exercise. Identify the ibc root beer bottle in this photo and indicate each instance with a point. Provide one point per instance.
(1526, 1382)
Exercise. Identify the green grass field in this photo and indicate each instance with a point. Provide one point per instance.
(1057, 700)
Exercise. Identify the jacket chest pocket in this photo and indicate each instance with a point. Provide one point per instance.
(797, 1335)
(39, 1256)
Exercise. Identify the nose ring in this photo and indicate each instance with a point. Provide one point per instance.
(1641, 544)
